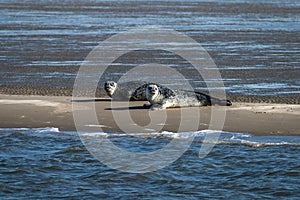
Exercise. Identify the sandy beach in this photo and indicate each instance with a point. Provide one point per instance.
(49, 111)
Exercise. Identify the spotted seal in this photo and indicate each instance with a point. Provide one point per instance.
(128, 91)
(167, 98)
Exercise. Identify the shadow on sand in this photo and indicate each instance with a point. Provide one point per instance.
(91, 100)
(109, 100)
(130, 108)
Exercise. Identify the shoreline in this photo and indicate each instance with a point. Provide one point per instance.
(23, 111)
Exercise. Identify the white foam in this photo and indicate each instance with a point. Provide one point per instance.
(48, 129)
(166, 134)
(224, 138)
(263, 141)
(40, 130)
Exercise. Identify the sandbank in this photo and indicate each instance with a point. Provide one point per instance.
(20, 111)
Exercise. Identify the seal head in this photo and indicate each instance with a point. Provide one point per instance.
(152, 92)
(110, 87)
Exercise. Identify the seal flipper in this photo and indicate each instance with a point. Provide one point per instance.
(221, 102)
(228, 103)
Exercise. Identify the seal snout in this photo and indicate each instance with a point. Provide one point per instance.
(107, 88)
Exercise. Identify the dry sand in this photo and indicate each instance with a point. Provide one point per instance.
(44, 111)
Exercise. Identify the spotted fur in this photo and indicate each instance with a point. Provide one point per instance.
(162, 98)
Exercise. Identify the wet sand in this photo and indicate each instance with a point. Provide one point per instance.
(49, 111)
(100, 93)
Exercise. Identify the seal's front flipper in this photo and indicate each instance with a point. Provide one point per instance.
(157, 107)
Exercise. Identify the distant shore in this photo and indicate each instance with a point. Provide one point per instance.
(24, 111)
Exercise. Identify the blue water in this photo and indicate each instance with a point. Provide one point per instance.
(256, 41)
(47, 163)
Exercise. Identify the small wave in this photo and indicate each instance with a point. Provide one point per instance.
(48, 129)
(265, 141)
(223, 138)
(164, 134)
(40, 130)
(256, 144)
(17, 171)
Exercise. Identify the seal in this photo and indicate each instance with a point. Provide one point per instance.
(128, 91)
(162, 98)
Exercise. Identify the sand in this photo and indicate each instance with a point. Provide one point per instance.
(19, 111)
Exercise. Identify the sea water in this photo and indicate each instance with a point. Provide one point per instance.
(46, 163)
(254, 43)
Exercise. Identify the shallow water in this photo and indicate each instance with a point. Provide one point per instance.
(253, 43)
(48, 163)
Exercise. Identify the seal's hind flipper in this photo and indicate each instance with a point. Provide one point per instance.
(229, 103)
(221, 102)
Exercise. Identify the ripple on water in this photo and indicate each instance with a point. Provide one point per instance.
(56, 160)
